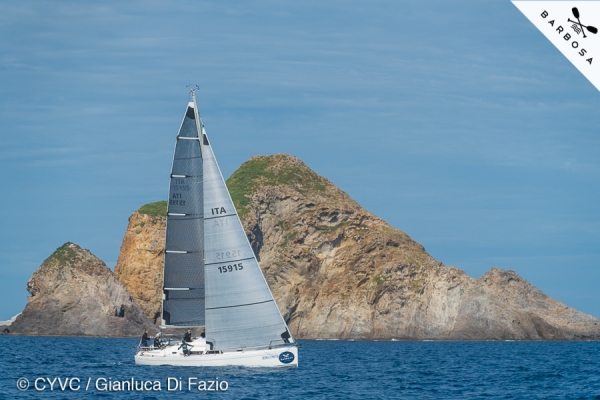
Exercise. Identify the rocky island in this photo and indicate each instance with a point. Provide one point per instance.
(74, 293)
(338, 271)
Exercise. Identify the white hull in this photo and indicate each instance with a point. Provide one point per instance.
(277, 357)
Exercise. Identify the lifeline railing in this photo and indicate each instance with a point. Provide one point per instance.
(172, 341)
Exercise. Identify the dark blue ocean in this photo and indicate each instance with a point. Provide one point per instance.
(328, 370)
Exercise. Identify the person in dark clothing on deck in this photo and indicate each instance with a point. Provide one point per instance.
(188, 336)
(156, 343)
(145, 338)
(185, 347)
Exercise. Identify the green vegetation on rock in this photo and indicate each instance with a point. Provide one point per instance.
(158, 208)
(270, 171)
(290, 236)
(244, 181)
(63, 255)
(381, 280)
(259, 171)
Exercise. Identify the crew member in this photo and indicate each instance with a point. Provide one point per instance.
(145, 338)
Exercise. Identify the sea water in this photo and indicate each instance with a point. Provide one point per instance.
(69, 367)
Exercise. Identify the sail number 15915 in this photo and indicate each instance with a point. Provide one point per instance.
(228, 254)
(231, 268)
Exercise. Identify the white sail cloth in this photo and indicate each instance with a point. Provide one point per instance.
(240, 309)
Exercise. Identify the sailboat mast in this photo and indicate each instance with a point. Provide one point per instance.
(197, 115)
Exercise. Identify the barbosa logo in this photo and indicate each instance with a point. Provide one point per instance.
(571, 27)
(578, 28)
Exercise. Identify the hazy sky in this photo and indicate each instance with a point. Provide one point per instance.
(456, 122)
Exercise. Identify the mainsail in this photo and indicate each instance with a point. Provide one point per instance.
(183, 293)
(212, 277)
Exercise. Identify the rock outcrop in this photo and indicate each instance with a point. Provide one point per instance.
(140, 264)
(5, 325)
(338, 271)
(74, 293)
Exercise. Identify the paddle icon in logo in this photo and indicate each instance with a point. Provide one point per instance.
(591, 29)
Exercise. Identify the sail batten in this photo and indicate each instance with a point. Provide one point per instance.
(239, 305)
(220, 216)
(232, 261)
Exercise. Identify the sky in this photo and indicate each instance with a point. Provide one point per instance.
(458, 123)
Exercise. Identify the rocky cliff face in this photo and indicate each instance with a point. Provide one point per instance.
(74, 293)
(140, 264)
(338, 271)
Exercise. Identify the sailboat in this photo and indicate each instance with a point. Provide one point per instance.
(212, 279)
